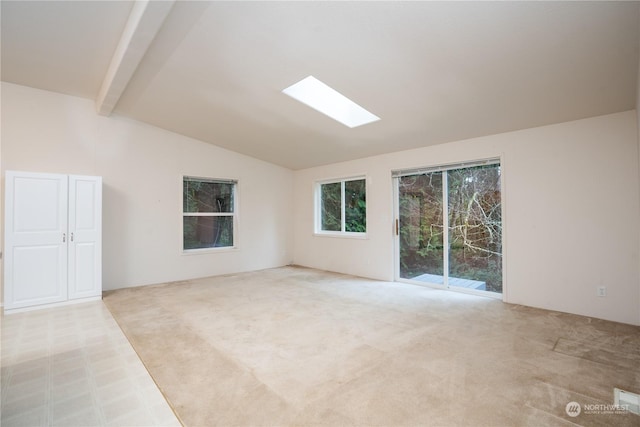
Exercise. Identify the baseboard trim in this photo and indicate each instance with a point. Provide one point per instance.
(51, 305)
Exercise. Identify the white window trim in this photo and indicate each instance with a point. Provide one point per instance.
(318, 209)
(234, 214)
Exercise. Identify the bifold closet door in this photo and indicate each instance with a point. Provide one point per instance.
(85, 236)
(35, 267)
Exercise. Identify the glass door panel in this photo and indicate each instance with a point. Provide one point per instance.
(420, 227)
(475, 228)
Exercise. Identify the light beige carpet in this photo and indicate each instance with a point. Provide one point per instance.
(301, 347)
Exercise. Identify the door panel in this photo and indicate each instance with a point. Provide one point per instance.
(84, 271)
(475, 228)
(85, 228)
(36, 202)
(35, 239)
(421, 227)
(30, 284)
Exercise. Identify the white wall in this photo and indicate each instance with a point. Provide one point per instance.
(142, 168)
(572, 203)
(560, 180)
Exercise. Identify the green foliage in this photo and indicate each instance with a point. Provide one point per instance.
(355, 210)
(355, 206)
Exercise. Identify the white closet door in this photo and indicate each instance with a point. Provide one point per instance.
(85, 236)
(35, 268)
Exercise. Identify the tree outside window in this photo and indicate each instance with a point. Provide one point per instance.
(342, 206)
(208, 213)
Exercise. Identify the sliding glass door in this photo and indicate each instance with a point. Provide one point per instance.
(449, 227)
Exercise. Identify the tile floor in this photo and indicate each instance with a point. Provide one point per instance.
(73, 366)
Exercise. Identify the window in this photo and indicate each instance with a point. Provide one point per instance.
(208, 218)
(341, 207)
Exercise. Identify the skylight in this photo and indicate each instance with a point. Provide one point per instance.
(320, 97)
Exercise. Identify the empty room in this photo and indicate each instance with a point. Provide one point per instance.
(224, 213)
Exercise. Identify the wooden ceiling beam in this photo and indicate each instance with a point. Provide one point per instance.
(145, 20)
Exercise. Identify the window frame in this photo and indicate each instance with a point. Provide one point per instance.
(318, 231)
(233, 214)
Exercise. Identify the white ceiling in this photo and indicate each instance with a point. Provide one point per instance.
(433, 71)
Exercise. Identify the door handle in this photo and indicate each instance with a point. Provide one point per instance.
(397, 226)
(64, 237)
(72, 237)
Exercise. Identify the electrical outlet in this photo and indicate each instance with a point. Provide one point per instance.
(602, 291)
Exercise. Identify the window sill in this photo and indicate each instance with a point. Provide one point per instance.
(357, 236)
(204, 251)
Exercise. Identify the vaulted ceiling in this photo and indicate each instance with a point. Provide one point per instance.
(433, 72)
